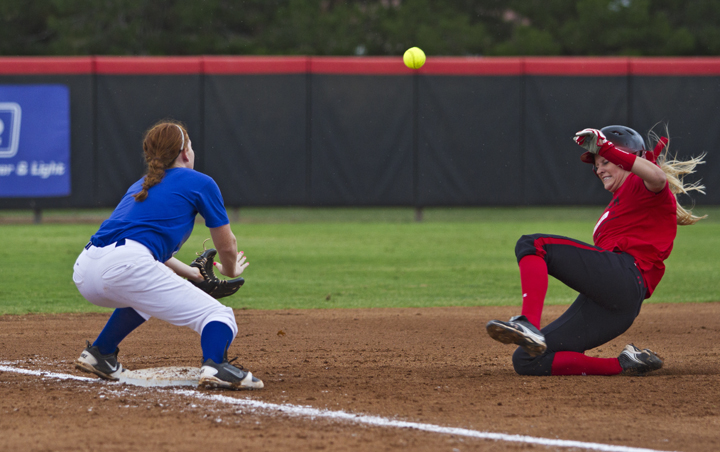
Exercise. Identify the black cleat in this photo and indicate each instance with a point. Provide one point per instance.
(225, 375)
(638, 362)
(518, 330)
(104, 366)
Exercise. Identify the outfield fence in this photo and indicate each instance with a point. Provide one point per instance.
(365, 131)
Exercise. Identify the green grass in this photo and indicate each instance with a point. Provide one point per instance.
(360, 258)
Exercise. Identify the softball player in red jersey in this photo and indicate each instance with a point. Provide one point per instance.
(632, 238)
(128, 264)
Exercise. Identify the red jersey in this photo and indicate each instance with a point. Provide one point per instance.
(642, 224)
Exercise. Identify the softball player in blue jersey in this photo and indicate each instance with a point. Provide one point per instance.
(128, 264)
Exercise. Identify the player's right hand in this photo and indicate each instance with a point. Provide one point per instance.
(590, 139)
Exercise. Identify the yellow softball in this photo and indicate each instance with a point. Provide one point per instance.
(414, 58)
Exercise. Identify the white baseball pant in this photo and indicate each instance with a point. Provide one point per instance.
(129, 276)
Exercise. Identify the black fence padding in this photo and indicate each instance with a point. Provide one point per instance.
(128, 105)
(83, 177)
(690, 108)
(318, 139)
(256, 132)
(556, 108)
(361, 140)
(469, 141)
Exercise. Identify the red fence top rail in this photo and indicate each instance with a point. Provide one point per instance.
(472, 66)
(255, 65)
(45, 65)
(359, 65)
(675, 66)
(148, 65)
(503, 66)
(576, 66)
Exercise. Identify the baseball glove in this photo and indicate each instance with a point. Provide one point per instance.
(211, 284)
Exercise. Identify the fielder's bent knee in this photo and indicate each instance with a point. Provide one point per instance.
(525, 246)
(224, 315)
(537, 366)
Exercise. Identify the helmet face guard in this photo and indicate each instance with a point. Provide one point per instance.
(624, 138)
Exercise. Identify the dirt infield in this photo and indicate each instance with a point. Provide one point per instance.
(432, 366)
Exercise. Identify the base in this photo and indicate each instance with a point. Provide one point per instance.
(161, 376)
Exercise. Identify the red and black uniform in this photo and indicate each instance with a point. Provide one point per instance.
(632, 238)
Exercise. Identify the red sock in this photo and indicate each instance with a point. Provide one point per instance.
(534, 283)
(573, 363)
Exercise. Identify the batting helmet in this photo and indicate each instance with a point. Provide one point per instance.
(624, 138)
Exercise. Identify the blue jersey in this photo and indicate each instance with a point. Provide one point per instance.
(165, 219)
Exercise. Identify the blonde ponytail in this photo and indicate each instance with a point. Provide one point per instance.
(675, 171)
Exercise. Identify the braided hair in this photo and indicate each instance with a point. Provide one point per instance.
(162, 144)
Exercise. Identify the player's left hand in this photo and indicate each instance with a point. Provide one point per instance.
(211, 284)
(591, 140)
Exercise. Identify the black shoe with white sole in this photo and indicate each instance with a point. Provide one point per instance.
(518, 330)
(638, 362)
(104, 366)
(225, 375)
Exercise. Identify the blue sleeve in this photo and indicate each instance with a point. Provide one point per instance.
(211, 205)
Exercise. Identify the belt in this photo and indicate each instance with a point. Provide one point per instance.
(120, 242)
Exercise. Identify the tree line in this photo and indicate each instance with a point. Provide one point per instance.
(360, 27)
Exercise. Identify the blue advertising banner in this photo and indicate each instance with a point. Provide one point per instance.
(34, 141)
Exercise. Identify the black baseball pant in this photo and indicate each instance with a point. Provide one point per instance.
(611, 291)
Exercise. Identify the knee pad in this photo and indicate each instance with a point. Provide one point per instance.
(537, 366)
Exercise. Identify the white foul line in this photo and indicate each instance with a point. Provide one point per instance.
(40, 373)
(375, 421)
